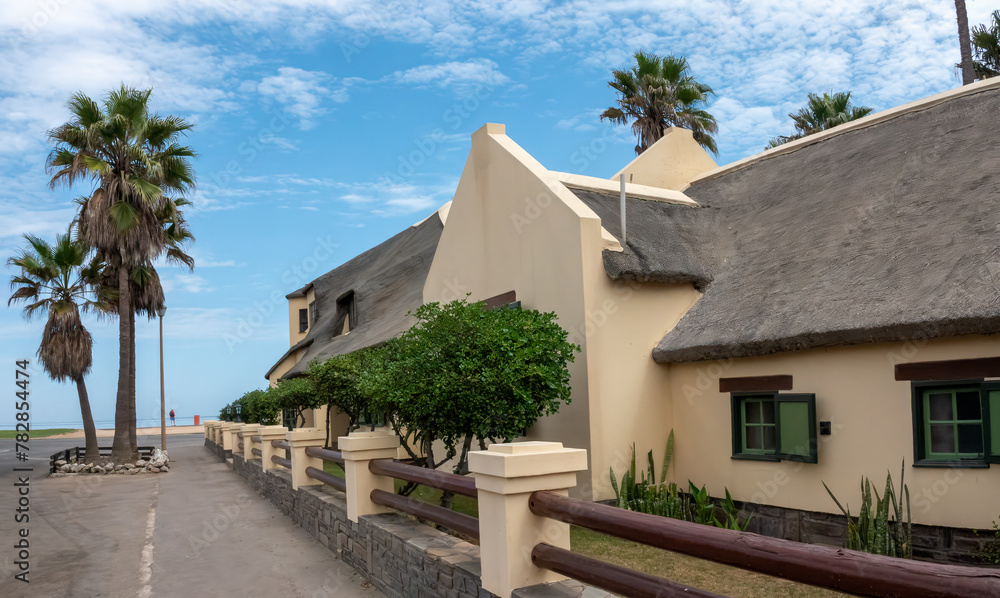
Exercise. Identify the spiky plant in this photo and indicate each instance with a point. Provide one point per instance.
(879, 527)
(59, 279)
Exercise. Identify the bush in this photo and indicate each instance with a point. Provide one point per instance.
(296, 395)
(336, 383)
(464, 373)
(989, 552)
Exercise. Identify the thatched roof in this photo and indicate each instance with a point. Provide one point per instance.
(387, 281)
(885, 232)
(666, 241)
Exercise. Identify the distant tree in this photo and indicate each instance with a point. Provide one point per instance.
(986, 45)
(822, 112)
(60, 280)
(964, 44)
(297, 395)
(337, 384)
(658, 93)
(258, 406)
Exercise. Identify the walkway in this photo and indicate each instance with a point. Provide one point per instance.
(196, 531)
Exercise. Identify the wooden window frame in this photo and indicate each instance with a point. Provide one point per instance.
(738, 410)
(303, 322)
(921, 423)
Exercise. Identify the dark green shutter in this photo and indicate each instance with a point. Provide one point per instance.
(990, 395)
(796, 418)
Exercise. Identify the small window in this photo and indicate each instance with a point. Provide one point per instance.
(956, 423)
(312, 313)
(303, 320)
(346, 315)
(773, 427)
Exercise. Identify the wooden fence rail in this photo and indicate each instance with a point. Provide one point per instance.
(327, 478)
(442, 480)
(838, 569)
(326, 454)
(460, 522)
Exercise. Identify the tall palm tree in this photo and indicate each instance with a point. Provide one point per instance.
(964, 44)
(61, 279)
(658, 93)
(986, 44)
(146, 290)
(822, 112)
(131, 157)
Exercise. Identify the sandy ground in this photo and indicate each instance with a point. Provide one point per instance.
(138, 431)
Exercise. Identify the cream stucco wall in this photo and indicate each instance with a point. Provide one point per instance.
(514, 226)
(671, 163)
(871, 416)
(285, 365)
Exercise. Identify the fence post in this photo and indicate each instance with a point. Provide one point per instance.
(358, 449)
(267, 434)
(299, 439)
(248, 443)
(234, 440)
(213, 431)
(506, 475)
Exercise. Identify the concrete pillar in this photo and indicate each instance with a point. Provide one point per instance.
(358, 449)
(205, 428)
(210, 430)
(299, 439)
(234, 440)
(250, 430)
(267, 434)
(506, 475)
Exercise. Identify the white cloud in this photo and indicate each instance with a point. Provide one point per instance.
(460, 76)
(185, 283)
(302, 92)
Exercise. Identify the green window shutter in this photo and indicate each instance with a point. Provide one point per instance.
(796, 419)
(991, 420)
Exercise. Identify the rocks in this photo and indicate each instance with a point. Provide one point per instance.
(155, 463)
(60, 462)
(141, 463)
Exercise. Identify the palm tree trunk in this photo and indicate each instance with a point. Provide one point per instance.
(89, 430)
(133, 444)
(964, 43)
(121, 449)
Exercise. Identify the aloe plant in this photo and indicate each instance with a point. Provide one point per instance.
(879, 528)
(646, 495)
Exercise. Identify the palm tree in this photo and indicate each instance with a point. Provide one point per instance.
(132, 158)
(822, 112)
(61, 279)
(658, 93)
(146, 290)
(964, 45)
(986, 43)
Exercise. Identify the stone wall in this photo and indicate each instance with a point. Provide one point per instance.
(398, 555)
(943, 544)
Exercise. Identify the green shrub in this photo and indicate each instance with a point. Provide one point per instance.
(879, 527)
(989, 552)
(645, 495)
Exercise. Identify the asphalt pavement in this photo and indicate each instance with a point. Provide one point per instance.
(198, 530)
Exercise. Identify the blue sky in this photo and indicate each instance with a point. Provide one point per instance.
(324, 127)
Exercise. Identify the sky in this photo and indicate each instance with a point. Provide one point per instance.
(324, 127)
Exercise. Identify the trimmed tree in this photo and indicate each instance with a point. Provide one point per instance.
(464, 374)
(337, 384)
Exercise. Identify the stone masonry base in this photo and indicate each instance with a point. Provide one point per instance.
(398, 555)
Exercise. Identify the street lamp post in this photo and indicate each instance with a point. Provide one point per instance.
(162, 311)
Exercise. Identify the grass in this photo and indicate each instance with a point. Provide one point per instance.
(36, 433)
(697, 573)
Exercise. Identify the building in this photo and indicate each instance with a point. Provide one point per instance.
(814, 313)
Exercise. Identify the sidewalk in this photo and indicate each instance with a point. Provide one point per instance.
(196, 531)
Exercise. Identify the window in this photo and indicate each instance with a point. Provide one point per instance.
(312, 313)
(956, 423)
(346, 316)
(770, 426)
(303, 320)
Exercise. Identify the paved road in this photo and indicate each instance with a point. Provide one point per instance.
(196, 531)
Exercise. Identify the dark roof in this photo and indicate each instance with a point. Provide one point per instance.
(387, 281)
(299, 345)
(883, 233)
(666, 241)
